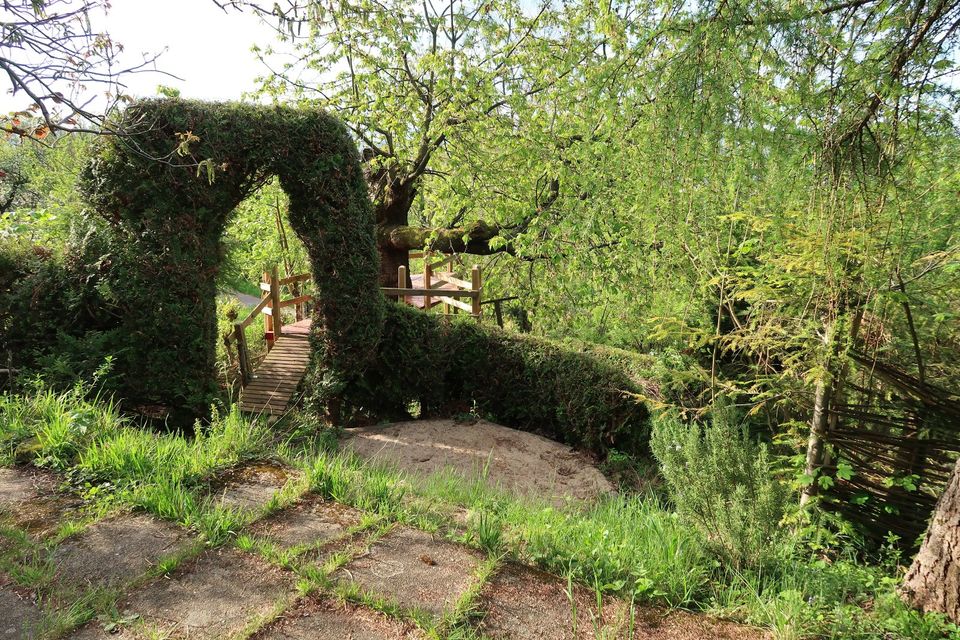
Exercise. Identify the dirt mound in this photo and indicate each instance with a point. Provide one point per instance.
(518, 461)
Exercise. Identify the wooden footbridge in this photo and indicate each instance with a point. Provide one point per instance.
(273, 385)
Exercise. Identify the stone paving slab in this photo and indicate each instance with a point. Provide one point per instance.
(328, 620)
(249, 487)
(29, 501)
(22, 484)
(525, 604)
(19, 616)
(113, 552)
(312, 521)
(215, 596)
(411, 568)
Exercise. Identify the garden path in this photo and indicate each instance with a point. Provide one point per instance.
(276, 381)
(369, 577)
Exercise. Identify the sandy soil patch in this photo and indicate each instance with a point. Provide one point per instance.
(517, 461)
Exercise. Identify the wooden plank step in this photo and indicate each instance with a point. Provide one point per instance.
(273, 383)
(278, 377)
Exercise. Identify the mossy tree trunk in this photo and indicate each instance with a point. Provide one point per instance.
(393, 198)
(933, 581)
(392, 209)
(396, 238)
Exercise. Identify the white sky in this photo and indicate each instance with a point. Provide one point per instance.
(207, 48)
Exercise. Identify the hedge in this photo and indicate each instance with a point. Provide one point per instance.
(167, 187)
(574, 393)
(146, 293)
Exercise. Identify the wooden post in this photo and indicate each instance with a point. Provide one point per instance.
(297, 308)
(267, 319)
(427, 281)
(242, 355)
(402, 281)
(499, 312)
(475, 285)
(275, 303)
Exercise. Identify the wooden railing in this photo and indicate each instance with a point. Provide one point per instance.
(460, 295)
(270, 306)
(441, 291)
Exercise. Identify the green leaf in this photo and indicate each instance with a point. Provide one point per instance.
(844, 470)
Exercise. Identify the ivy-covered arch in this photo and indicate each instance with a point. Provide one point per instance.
(168, 186)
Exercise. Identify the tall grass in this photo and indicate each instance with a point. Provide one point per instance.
(51, 427)
(159, 472)
(633, 547)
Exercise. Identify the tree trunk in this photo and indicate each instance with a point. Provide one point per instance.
(392, 208)
(819, 419)
(393, 194)
(933, 582)
(829, 393)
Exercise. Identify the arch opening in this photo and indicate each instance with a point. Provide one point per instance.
(168, 188)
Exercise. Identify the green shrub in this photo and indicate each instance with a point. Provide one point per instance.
(58, 315)
(571, 393)
(722, 483)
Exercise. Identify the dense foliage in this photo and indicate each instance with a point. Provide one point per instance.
(767, 188)
(753, 200)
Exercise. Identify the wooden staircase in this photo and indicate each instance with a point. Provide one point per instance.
(274, 385)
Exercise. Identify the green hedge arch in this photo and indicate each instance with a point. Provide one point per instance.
(167, 187)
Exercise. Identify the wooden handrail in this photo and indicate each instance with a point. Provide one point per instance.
(451, 258)
(275, 304)
(243, 324)
(476, 285)
(300, 277)
(435, 287)
(446, 276)
(456, 303)
(402, 291)
(255, 312)
(292, 302)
